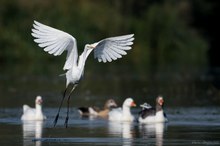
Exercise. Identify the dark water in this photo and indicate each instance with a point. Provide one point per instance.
(186, 126)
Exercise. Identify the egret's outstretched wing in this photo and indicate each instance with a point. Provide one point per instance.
(113, 48)
(55, 42)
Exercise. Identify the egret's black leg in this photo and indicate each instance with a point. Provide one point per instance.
(57, 116)
(67, 113)
(68, 105)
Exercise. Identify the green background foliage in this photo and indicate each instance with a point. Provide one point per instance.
(163, 34)
(169, 55)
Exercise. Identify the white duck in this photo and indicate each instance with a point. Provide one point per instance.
(153, 115)
(95, 111)
(124, 113)
(34, 113)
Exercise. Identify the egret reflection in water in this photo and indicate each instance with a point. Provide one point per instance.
(31, 130)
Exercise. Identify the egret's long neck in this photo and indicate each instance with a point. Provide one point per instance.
(83, 57)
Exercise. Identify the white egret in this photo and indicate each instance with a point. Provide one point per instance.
(55, 42)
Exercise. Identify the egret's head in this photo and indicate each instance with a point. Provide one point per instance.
(91, 46)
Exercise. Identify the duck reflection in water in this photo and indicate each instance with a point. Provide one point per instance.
(153, 131)
(124, 130)
(32, 130)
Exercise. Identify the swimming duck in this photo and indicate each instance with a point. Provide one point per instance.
(153, 115)
(124, 113)
(94, 111)
(34, 113)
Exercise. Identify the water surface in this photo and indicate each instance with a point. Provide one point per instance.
(186, 126)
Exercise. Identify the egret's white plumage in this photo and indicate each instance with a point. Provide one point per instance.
(55, 42)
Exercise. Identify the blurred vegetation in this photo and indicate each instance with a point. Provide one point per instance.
(162, 28)
(169, 47)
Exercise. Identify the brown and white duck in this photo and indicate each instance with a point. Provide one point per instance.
(94, 111)
(153, 115)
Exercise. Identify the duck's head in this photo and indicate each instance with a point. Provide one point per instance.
(110, 103)
(160, 101)
(129, 102)
(38, 100)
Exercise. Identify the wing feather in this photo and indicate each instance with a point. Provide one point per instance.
(111, 53)
(115, 53)
(107, 55)
(52, 48)
(118, 50)
(59, 51)
(103, 57)
(55, 42)
(113, 48)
